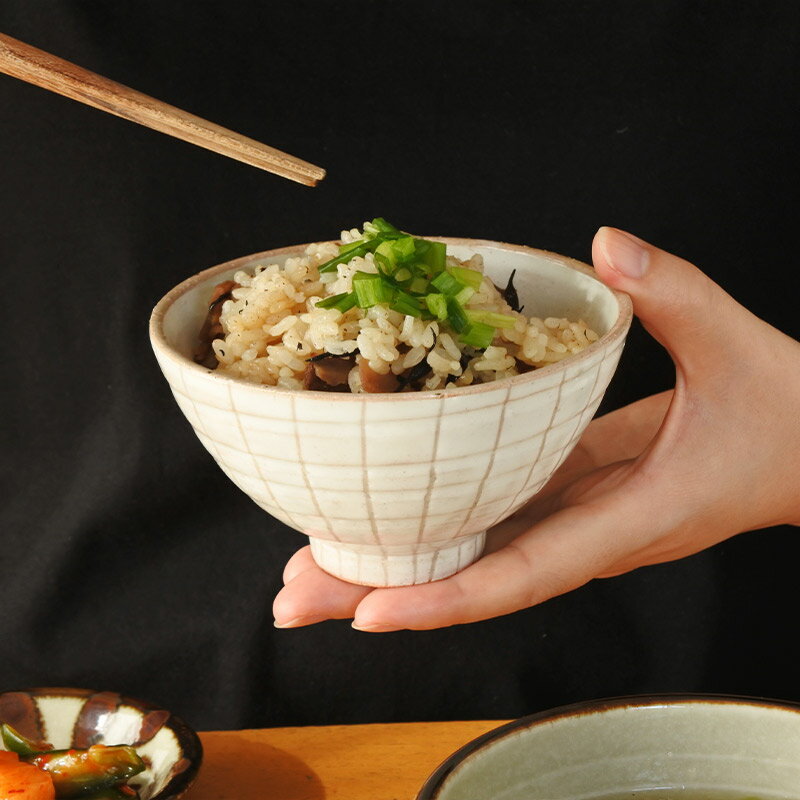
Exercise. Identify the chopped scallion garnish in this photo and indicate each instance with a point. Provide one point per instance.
(464, 295)
(492, 318)
(341, 302)
(343, 258)
(478, 334)
(406, 304)
(456, 316)
(404, 247)
(432, 254)
(446, 284)
(350, 246)
(385, 253)
(418, 285)
(467, 277)
(382, 226)
(371, 289)
(437, 305)
(413, 279)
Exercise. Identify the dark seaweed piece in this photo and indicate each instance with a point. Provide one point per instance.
(321, 356)
(463, 361)
(522, 367)
(415, 374)
(509, 294)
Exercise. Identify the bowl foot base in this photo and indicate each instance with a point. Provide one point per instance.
(373, 565)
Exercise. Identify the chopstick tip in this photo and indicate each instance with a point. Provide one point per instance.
(313, 180)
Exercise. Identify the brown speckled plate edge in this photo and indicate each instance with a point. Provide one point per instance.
(189, 742)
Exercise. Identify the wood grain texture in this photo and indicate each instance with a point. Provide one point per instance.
(339, 762)
(35, 66)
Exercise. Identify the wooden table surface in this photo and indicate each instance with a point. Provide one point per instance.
(347, 762)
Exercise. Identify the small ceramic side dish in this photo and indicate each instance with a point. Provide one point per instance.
(397, 489)
(80, 718)
(690, 745)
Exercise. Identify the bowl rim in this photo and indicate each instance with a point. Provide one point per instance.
(431, 789)
(617, 332)
(188, 739)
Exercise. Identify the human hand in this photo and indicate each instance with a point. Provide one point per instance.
(655, 481)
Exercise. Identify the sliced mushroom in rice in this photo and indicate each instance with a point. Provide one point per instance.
(212, 327)
(373, 382)
(328, 373)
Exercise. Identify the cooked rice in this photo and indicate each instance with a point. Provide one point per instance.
(272, 326)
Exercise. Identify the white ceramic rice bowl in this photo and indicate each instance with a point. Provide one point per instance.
(396, 489)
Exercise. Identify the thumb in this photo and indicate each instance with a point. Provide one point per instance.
(676, 302)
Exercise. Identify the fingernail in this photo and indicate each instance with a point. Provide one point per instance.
(376, 628)
(624, 253)
(297, 622)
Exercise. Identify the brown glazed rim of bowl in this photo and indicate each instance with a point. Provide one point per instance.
(188, 740)
(433, 785)
(618, 329)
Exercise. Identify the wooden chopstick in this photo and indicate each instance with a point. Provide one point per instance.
(35, 66)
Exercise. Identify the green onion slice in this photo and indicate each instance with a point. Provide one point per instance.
(330, 266)
(350, 246)
(446, 284)
(406, 304)
(432, 254)
(455, 315)
(463, 295)
(371, 289)
(385, 253)
(341, 302)
(467, 277)
(382, 226)
(478, 334)
(418, 285)
(491, 318)
(437, 305)
(404, 248)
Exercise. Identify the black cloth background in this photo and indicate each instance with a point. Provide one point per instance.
(128, 560)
